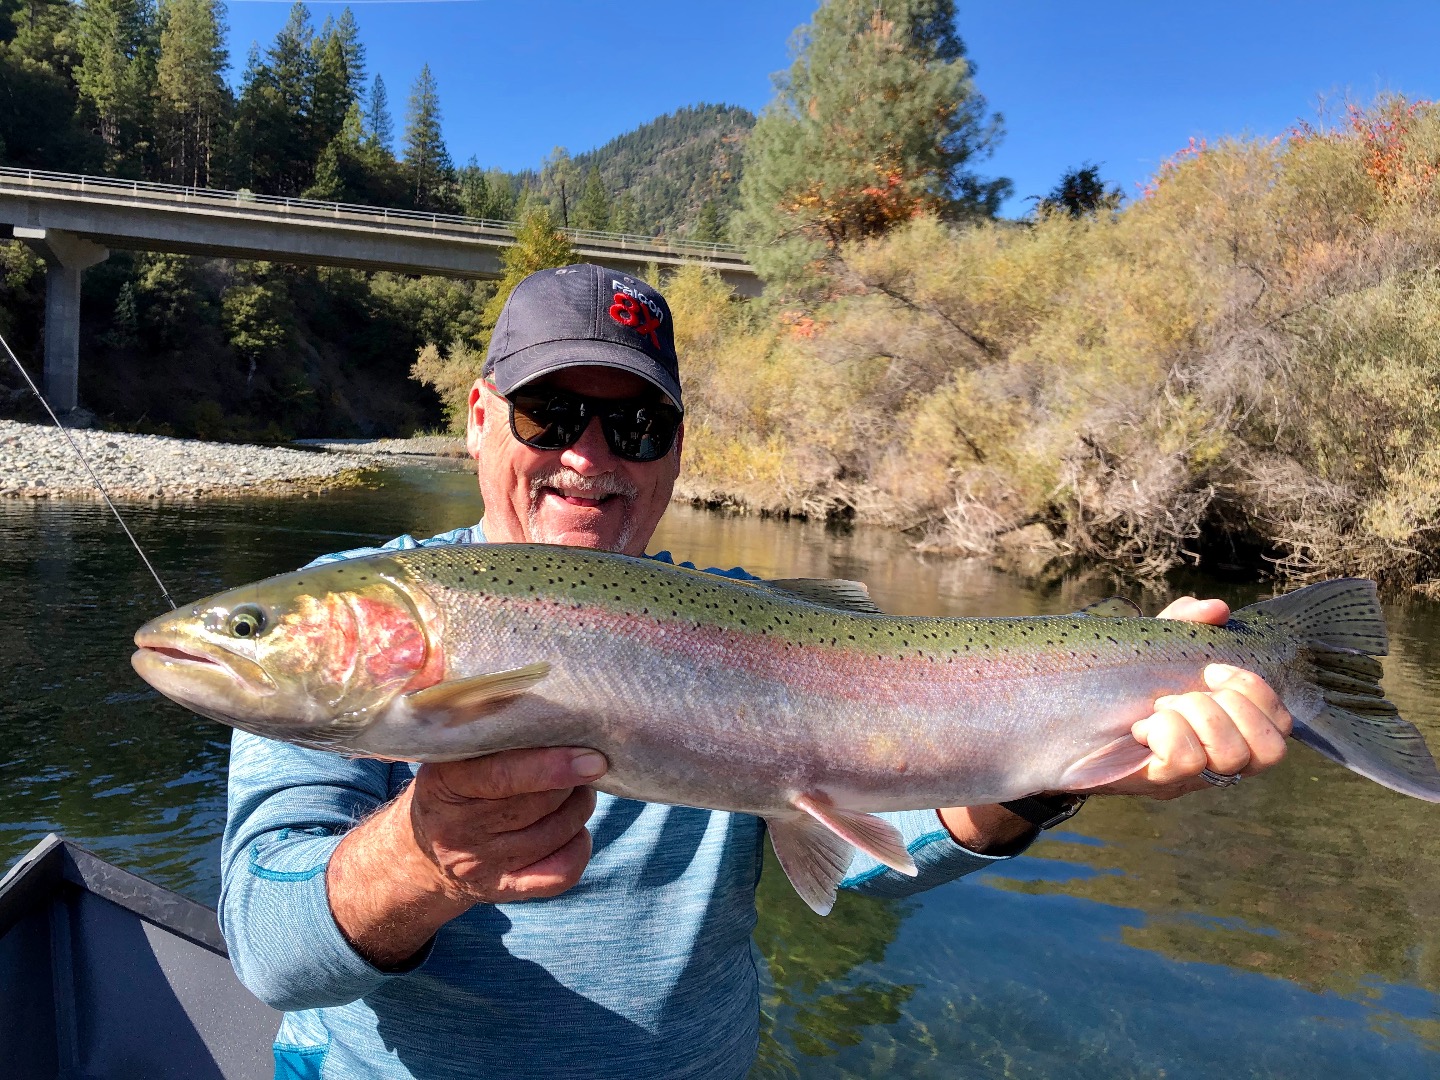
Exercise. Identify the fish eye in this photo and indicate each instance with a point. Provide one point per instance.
(246, 621)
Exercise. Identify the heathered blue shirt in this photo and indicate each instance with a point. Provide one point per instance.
(643, 969)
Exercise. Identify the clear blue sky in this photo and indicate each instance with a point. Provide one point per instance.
(1125, 86)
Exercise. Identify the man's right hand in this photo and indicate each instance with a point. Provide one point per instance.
(505, 827)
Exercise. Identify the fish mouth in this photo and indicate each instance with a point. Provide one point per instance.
(164, 663)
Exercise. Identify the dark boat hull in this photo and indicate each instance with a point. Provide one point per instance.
(105, 974)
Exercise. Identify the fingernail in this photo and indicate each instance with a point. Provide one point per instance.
(587, 764)
(1219, 673)
(1164, 702)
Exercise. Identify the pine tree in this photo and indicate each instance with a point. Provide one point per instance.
(876, 121)
(625, 215)
(379, 128)
(330, 99)
(348, 34)
(559, 180)
(427, 161)
(539, 245)
(115, 75)
(707, 224)
(593, 209)
(193, 98)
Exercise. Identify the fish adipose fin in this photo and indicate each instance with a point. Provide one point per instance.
(816, 846)
(459, 701)
(830, 592)
(1111, 762)
(1341, 628)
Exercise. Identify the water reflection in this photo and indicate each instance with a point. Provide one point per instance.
(1288, 927)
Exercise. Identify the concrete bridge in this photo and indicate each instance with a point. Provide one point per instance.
(73, 222)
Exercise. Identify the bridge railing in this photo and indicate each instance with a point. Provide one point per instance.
(147, 191)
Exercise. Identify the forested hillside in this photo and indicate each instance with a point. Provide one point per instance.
(681, 171)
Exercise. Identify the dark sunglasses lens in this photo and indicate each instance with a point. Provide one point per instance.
(547, 423)
(642, 431)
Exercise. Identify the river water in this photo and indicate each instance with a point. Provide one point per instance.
(1289, 927)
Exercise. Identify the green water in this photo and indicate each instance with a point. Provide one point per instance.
(1289, 927)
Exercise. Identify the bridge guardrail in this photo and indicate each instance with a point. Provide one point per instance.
(148, 191)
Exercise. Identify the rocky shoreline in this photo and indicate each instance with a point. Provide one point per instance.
(37, 462)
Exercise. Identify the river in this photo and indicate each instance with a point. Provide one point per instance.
(1289, 927)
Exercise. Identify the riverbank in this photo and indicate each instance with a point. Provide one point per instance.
(37, 462)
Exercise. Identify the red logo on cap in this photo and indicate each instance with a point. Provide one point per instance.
(628, 311)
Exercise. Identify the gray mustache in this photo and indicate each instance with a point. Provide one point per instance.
(588, 487)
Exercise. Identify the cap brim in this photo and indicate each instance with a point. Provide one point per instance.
(529, 364)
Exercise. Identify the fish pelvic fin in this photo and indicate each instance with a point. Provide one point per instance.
(1341, 630)
(816, 846)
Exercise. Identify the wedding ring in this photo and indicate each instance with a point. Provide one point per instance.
(1219, 779)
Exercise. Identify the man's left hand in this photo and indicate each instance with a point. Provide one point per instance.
(1236, 726)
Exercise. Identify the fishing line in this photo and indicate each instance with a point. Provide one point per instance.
(103, 493)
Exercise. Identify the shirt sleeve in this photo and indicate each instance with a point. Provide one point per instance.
(288, 809)
(938, 858)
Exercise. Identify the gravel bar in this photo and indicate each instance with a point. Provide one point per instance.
(420, 446)
(37, 462)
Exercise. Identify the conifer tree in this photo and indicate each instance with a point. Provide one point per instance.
(190, 83)
(558, 182)
(379, 128)
(427, 161)
(539, 245)
(353, 49)
(625, 215)
(707, 224)
(115, 73)
(331, 98)
(876, 121)
(593, 209)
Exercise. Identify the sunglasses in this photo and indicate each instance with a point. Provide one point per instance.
(636, 429)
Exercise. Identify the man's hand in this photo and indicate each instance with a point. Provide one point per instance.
(501, 828)
(1237, 726)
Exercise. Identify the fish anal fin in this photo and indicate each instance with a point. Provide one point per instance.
(459, 701)
(813, 857)
(1113, 607)
(829, 592)
(1111, 762)
(872, 835)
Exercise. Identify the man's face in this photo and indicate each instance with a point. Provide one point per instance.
(584, 495)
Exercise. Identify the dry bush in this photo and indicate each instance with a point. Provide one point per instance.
(1248, 351)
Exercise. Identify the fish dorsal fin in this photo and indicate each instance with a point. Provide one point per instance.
(459, 701)
(830, 592)
(1112, 607)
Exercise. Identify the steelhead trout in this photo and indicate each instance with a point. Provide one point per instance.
(798, 701)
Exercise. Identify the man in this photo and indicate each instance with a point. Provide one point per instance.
(495, 917)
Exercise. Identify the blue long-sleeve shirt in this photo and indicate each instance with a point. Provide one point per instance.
(644, 968)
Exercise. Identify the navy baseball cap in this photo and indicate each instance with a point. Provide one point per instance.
(580, 316)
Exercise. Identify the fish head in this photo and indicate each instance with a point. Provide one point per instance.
(308, 657)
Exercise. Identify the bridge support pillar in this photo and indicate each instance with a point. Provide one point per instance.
(66, 257)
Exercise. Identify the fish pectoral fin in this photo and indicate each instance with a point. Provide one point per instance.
(1113, 607)
(1111, 762)
(872, 835)
(829, 592)
(459, 701)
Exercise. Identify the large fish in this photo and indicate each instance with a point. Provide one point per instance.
(795, 700)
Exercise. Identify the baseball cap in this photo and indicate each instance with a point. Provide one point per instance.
(583, 315)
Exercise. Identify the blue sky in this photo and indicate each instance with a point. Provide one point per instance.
(1124, 89)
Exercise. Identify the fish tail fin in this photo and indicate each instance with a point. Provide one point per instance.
(1341, 630)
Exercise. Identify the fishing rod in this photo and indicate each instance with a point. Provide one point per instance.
(83, 461)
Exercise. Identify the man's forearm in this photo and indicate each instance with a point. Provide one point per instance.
(986, 830)
(385, 895)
